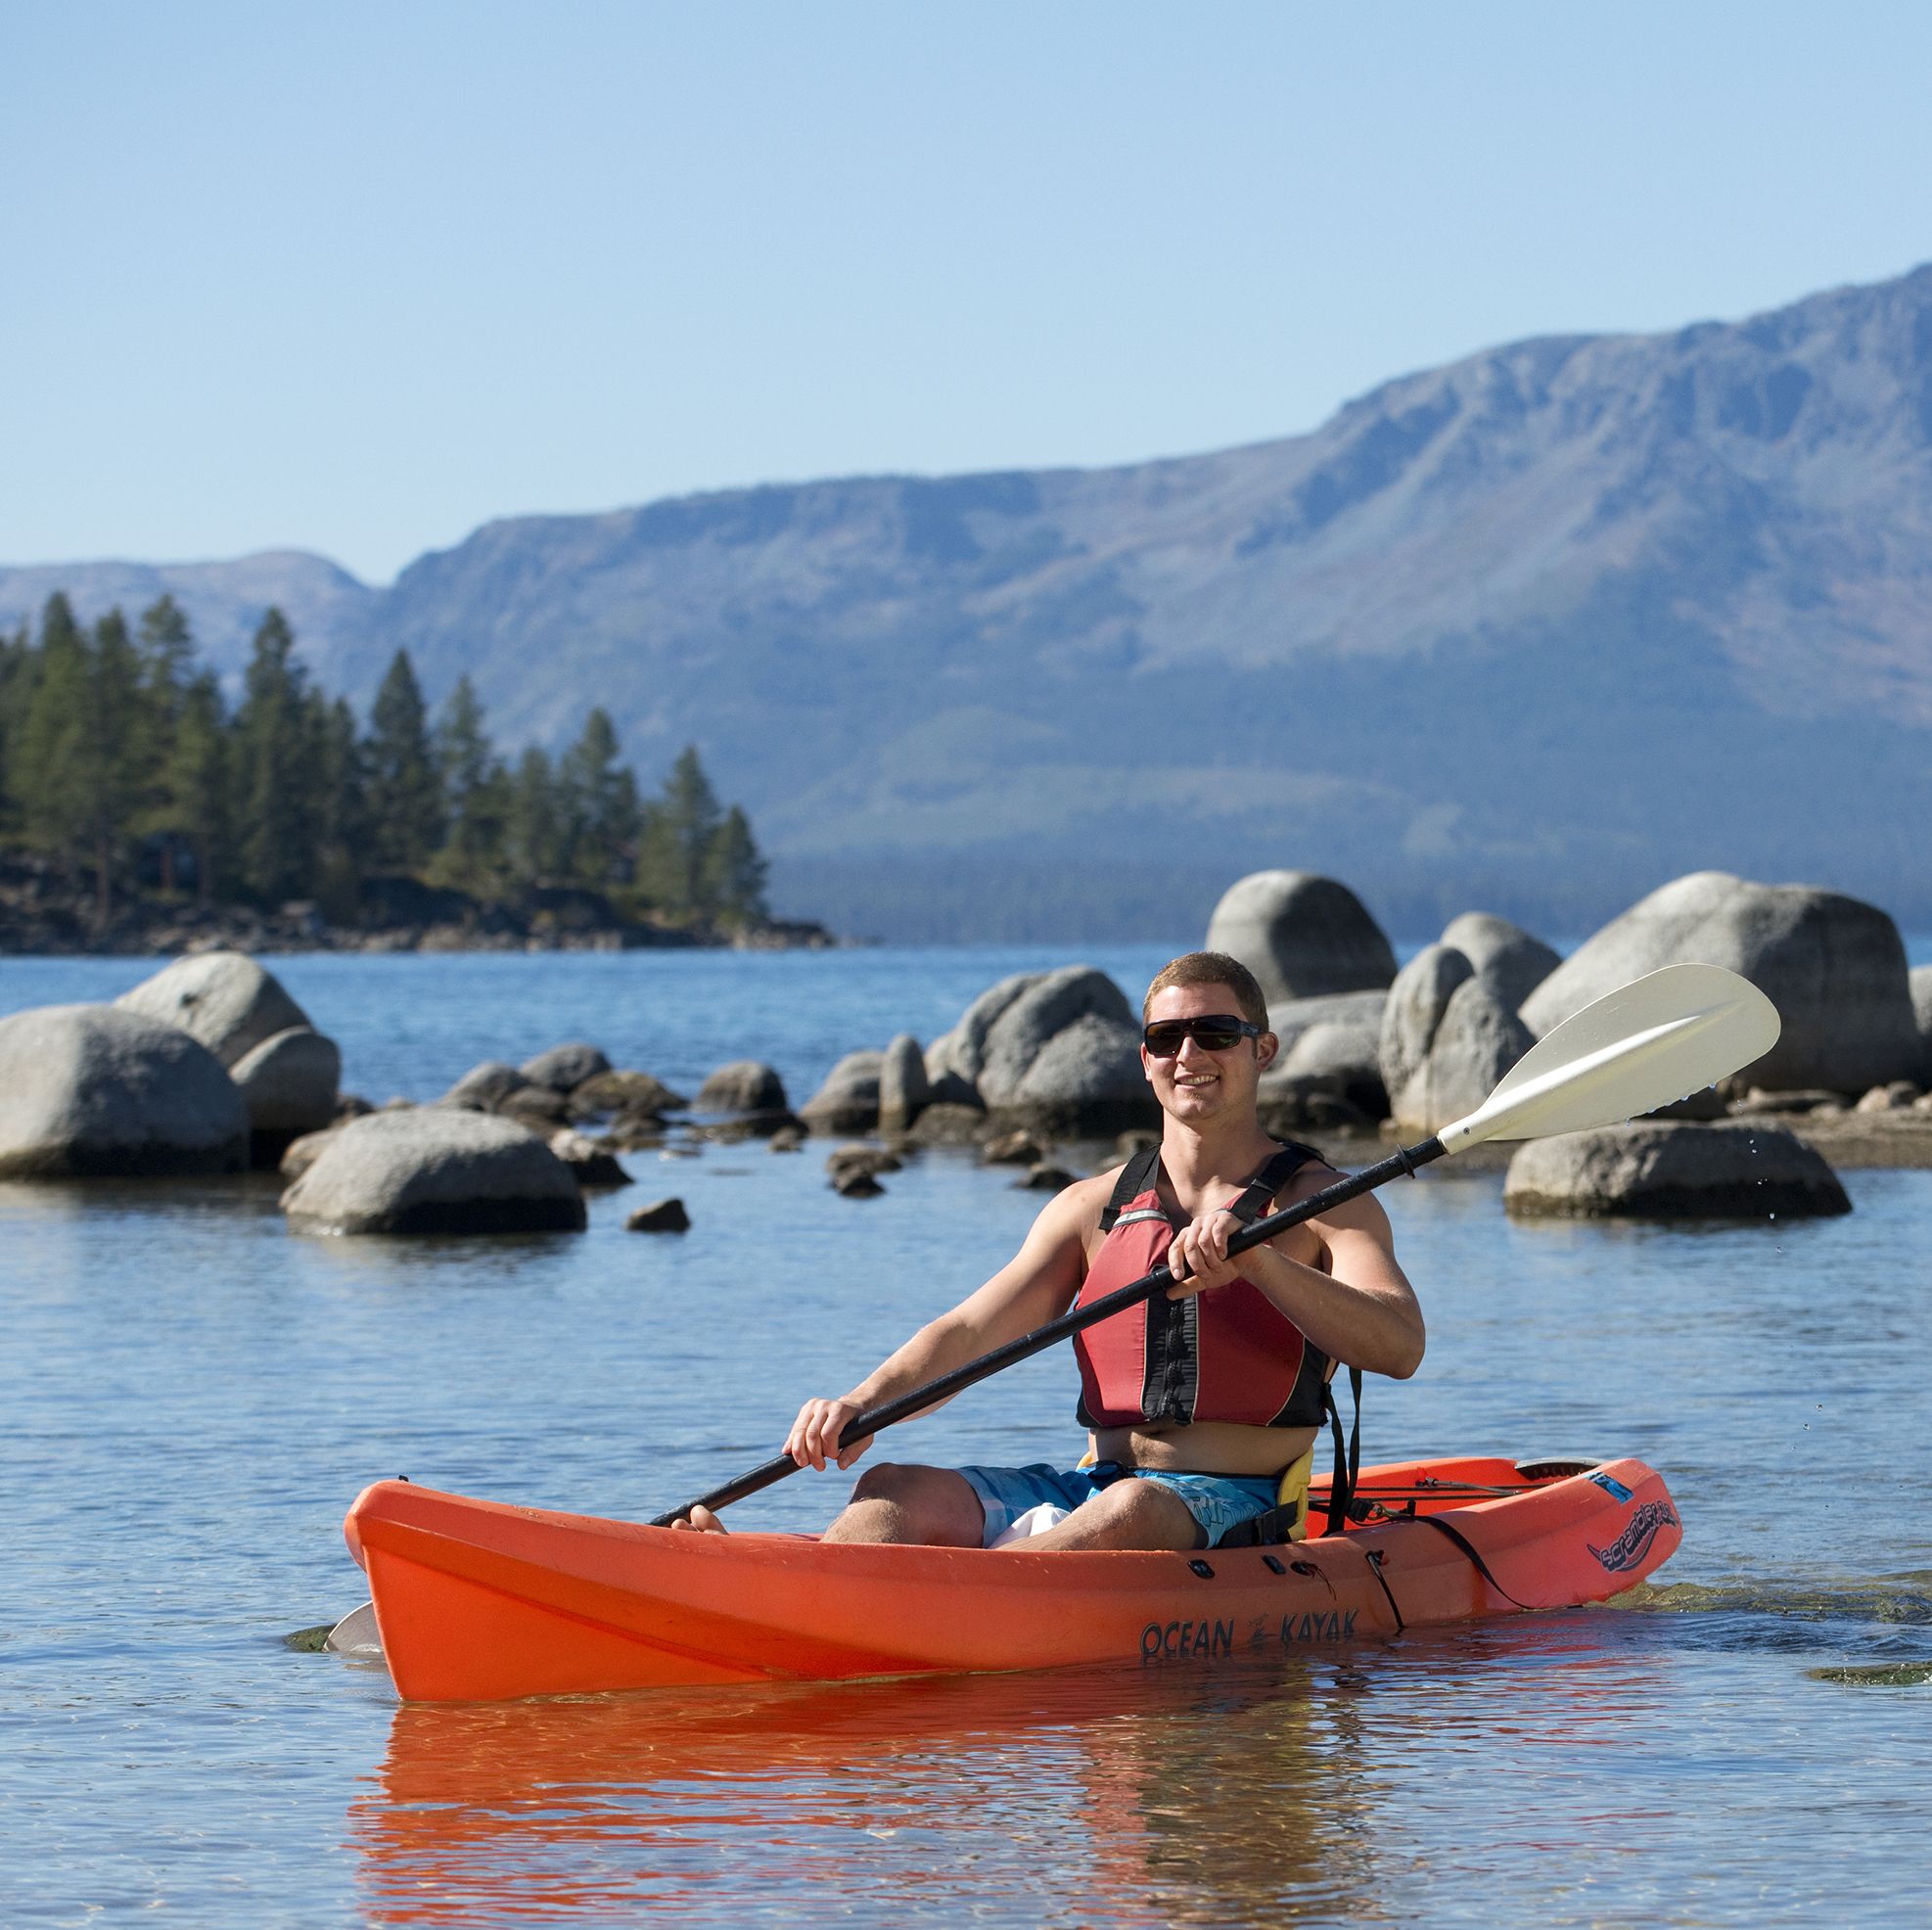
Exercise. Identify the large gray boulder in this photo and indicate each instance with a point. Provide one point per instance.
(1300, 935)
(289, 1083)
(1085, 1080)
(92, 1090)
(1834, 967)
(953, 1060)
(1673, 1171)
(1416, 1002)
(1513, 962)
(563, 1068)
(632, 1092)
(1058, 1050)
(1052, 1004)
(903, 1088)
(1475, 1040)
(434, 1170)
(222, 998)
(745, 1086)
(849, 1100)
(485, 1087)
(1354, 1011)
(1338, 1058)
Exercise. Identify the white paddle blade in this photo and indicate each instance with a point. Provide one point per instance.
(356, 1633)
(1658, 1039)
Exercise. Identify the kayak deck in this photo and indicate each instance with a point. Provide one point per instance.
(481, 1601)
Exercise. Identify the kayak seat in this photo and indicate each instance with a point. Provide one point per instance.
(1287, 1520)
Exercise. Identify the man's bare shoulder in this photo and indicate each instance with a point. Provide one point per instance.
(1085, 1200)
(1362, 1214)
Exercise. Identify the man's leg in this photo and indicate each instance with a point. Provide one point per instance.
(1130, 1514)
(893, 1503)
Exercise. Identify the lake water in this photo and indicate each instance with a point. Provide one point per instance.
(192, 1398)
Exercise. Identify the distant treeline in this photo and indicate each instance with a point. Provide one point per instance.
(118, 750)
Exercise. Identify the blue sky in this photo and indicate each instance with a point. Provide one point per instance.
(357, 278)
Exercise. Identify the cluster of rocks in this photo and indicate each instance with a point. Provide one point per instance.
(504, 1150)
(208, 1067)
(1362, 1042)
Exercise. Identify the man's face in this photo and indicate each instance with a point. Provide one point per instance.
(1197, 1085)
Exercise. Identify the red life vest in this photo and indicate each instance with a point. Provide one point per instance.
(1226, 1354)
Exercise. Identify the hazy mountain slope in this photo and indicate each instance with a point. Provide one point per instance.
(327, 606)
(1535, 629)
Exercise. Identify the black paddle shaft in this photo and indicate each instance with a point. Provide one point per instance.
(891, 1412)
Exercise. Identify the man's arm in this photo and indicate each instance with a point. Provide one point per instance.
(1359, 1308)
(1038, 1283)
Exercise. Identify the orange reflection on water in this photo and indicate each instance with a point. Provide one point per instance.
(1252, 1792)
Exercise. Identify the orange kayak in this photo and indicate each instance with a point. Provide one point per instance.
(480, 1601)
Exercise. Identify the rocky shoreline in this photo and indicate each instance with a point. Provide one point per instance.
(43, 912)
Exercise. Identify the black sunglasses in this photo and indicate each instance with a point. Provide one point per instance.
(1214, 1031)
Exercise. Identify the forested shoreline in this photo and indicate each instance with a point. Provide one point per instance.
(134, 797)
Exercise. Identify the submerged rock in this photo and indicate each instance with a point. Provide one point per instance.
(592, 1165)
(848, 1162)
(1658, 1171)
(99, 1091)
(434, 1170)
(660, 1216)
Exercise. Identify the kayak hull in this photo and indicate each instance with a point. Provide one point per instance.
(481, 1601)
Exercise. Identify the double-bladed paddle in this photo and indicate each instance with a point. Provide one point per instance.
(1657, 1039)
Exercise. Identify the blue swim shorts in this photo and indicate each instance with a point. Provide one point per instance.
(1217, 1501)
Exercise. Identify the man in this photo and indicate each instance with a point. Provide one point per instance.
(1197, 1404)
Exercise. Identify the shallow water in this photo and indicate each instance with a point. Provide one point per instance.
(193, 1398)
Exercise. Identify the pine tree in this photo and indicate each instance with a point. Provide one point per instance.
(735, 871)
(50, 760)
(342, 828)
(535, 832)
(678, 827)
(475, 793)
(116, 760)
(603, 804)
(196, 803)
(17, 664)
(405, 803)
(274, 779)
(168, 652)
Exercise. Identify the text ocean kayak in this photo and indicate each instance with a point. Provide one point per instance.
(480, 1602)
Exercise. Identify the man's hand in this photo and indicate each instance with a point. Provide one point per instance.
(1198, 1257)
(814, 1436)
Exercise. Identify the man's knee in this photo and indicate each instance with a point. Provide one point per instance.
(1146, 1514)
(937, 1504)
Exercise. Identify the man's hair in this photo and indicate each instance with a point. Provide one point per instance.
(1212, 968)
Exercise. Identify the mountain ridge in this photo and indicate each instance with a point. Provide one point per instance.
(1677, 587)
